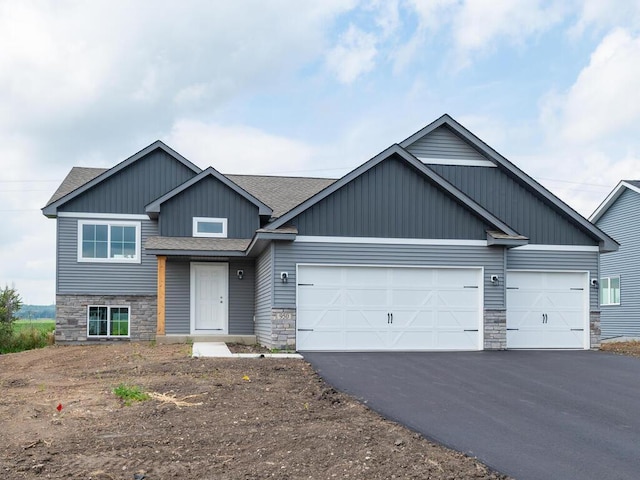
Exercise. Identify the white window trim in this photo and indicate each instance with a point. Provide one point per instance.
(609, 304)
(113, 223)
(223, 221)
(109, 307)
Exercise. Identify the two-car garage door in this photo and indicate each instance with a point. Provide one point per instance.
(388, 308)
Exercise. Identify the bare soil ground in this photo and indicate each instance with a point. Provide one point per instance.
(622, 348)
(208, 418)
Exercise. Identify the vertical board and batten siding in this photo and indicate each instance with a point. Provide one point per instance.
(178, 297)
(391, 200)
(444, 143)
(134, 187)
(264, 294)
(550, 260)
(622, 222)
(515, 204)
(103, 278)
(287, 255)
(208, 198)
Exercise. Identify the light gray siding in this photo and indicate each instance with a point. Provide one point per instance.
(264, 295)
(102, 278)
(391, 200)
(178, 297)
(208, 198)
(557, 260)
(131, 189)
(515, 204)
(287, 255)
(622, 222)
(444, 143)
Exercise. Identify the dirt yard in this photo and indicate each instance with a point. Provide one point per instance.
(208, 418)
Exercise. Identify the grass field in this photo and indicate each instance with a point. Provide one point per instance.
(27, 335)
(45, 325)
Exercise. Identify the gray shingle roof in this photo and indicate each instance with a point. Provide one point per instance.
(197, 244)
(281, 193)
(77, 177)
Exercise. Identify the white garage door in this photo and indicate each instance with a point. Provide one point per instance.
(547, 310)
(388, 308)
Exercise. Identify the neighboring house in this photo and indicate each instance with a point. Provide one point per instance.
(619, 216)
(436, 243)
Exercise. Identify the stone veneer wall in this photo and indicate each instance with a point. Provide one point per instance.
(283, 328)
(495, 329)
(594, 329)
(71, 316)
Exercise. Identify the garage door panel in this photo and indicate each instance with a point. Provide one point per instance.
(389, 308)
(547, 310)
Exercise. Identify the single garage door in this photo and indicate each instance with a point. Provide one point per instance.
(547, 309)
(354, 308)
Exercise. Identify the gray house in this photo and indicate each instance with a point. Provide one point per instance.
(436, 243)
(619, 216)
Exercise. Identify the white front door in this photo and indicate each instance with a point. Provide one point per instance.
(388, 308)
(209, 294)
(547, 309)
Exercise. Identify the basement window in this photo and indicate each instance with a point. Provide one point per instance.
(610, 291)
(107, 321)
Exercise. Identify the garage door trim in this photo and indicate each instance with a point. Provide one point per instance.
(478, 269)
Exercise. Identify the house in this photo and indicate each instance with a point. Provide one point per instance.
(619, 216)
(436, 243)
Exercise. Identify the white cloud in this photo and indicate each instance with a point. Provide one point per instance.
(353, 56)
(238, 149)
(605, 15)
(605, 97)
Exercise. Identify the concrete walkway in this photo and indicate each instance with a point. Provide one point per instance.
(220, 349)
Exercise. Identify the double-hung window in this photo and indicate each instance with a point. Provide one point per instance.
(108, 241)
(107, 321)
(610, 291)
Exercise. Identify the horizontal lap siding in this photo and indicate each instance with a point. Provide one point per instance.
(264, 294)
(178, 294)
(444, 143)
(287, 255)
(391, 200)
(622, 222)
(557, 260)
(178, 297)
(103, 278)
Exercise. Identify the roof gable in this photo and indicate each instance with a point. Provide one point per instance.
(632, 185)
(77, 189)
(417, 165)
(606, 242)
(153, 209)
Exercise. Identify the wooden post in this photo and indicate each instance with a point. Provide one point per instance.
(162, 264)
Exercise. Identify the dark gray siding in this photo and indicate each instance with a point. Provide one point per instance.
(390, 200)
(208, 198)
(178, 297)
(444, 143)
(557, 260)
(74, 277)
(287, 255)
(131, 189)
(622, 222)
(514, 204)
(241, 297)
(264, 295)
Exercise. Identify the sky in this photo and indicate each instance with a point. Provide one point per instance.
(305, 88)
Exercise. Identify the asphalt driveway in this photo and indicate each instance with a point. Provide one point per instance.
(529, 414)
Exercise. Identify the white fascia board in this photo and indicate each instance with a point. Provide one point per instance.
(610, 200)
(391, 241)
(558, 248)
(465, 162)
(107, 216)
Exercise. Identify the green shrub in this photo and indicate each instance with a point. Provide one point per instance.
(130, 393)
